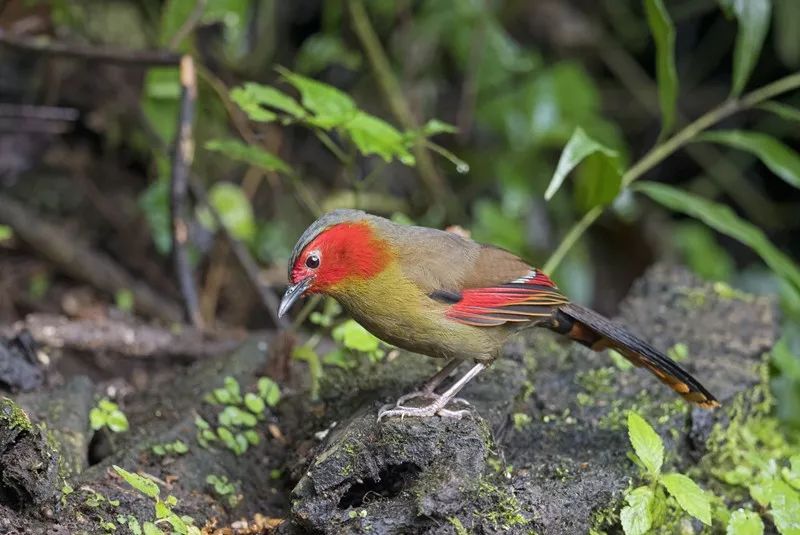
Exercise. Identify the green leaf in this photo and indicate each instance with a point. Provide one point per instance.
(97, 418)
(252, 98)
(646, 443)
(117, 421)
(785, 507)
(636, 516)
(330, 106)
(780, 159)
(234, 209)
(375, 136)
(140, 483)
(435, 126)
(792, 475)
(578, 148)
(744, 522)
(174, 15)
(689, 496)
(324, 49)
(667, 75)
(597, 182)
(753, 17)
(784, 111)
(160, 95)
(269, 391)
(354, 336)
(254, 403)
(724, 220)
(151, 529)
(5, 233)
(236, 150)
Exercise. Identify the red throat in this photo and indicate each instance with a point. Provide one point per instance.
(347, 251)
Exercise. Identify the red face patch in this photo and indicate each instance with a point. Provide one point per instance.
(347, 250)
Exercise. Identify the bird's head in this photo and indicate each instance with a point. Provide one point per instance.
(336, 252)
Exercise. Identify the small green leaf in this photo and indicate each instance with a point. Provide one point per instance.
(646, 443)
(666, 74)
(724, 220)
(784, 111)
(689, 496)
(254, 403)
(744, 522)
(236, 150)
(330, 106)
(124, 300)
(180, 447)
(97, 418)
(234, 209)
(597, 181)
(753, 17)
(354, 336)
(117, 421)
(435, 126)
(375, 136)
(578, 148)
(636, 517)
(151, 529)
(269, 391)
(792, 475)
(253, 97)
(252, 437)
(140, 483)
(780, 159)
(5, 233)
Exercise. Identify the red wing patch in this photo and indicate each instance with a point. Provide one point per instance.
(522, 300)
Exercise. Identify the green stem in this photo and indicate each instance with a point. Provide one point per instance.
(662, 151)
(333, 147)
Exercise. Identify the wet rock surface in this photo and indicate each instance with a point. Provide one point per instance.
(544, 450)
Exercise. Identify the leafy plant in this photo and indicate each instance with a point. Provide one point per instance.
(646, 506)
(753, 19)
(108, 414)
(224, 487)
(163, 512)
(178, 447)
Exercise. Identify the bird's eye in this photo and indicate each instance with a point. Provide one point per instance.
(312, 261)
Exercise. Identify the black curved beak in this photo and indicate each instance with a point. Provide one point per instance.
(293, 293)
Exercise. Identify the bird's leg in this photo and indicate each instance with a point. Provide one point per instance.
(437, 406)
(428, 387)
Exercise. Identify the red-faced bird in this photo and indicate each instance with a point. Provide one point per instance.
(446, 296)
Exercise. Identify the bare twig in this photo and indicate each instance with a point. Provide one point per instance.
(182, 157)
(108, 55)
(81, 261)
(124, 338)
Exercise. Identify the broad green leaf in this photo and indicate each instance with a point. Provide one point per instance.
(785, 507)
(117, 421)
(597, 181)
(97, 418)
(236, 150)
(636, 517)
(375, 136)
(666, 73)
(578, 148)
(140, 483)
(784, 111)
(646, 443)
(722, 219)
(689, 496)
(151, 529)
(354, 336)
(330, 106)
(234, 209)
(753, 17)
(744, 522)
(252, 98)
(792, 474)
(780, 159)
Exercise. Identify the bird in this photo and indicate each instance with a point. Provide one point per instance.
(444, 295)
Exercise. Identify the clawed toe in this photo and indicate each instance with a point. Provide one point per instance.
(420, 412)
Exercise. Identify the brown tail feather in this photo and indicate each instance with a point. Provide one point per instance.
(598, 333)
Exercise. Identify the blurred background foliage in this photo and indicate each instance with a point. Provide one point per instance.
(432, 112)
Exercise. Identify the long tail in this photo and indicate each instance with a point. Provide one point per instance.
(598, 333)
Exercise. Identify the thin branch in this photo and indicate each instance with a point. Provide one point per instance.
(182, 157)
(660, 152)
(92, 53)
(395, 98)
